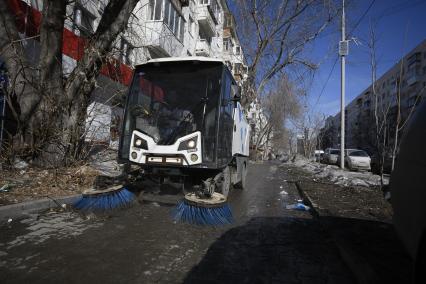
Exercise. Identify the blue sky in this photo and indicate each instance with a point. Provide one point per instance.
(401, 25)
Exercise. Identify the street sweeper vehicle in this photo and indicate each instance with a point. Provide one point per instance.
(184, 122)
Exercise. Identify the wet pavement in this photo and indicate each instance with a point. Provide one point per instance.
(267, 244)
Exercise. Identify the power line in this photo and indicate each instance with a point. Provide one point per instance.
(362, 17)
(337, 58)
(326, 81)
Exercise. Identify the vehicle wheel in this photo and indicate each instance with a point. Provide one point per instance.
(244, 177)
(243, 181)
(225, 185)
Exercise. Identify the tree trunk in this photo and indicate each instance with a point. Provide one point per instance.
(52, 111)
(83, 78)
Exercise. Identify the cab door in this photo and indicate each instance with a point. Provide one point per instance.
(224, 138)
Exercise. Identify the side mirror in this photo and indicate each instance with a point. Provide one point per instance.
(235, 92)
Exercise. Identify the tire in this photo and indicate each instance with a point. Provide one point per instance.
(243, 184)
(225, 185)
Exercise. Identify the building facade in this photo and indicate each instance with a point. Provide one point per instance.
(157, 28)
(402, 88)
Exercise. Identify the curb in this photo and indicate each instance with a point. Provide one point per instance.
(25, 208)
(308, 201)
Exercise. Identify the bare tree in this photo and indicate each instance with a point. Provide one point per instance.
(309, 125)
(381, 109)
(275, 34)
(279, 105)
(51, 108)
(384, 125)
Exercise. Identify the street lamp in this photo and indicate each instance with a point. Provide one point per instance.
(343, 51)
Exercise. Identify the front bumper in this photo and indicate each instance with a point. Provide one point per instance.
(165, 155)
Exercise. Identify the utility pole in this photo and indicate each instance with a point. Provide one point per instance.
(343, 51)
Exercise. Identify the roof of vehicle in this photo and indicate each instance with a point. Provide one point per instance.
(183, 58)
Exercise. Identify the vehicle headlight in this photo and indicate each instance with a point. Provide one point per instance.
(188, 144)
(191, 144)
(140, 143)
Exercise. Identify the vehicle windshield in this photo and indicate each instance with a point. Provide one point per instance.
(168, 102)
(358, 153)
(334, 152)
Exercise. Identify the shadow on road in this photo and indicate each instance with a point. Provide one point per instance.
(291, 250)
(373, 249)
(272, 250)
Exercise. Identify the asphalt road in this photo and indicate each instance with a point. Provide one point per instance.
(267, 244)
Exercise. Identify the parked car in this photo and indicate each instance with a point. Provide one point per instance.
(319, 155)
(330, 156)
(407, 184)
(283, 157)
(356, 159)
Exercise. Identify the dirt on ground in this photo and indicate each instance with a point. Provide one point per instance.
(343, 201)
(34, 183)
(359, 220)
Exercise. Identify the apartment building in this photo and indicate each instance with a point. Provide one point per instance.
(407, 78)
(157, 28)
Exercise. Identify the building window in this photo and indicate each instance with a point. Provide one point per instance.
(101, 6)
(228, 20)
(203, 2)
(227, 45)
(181, 28)
(83, 21)
(125, 52)
(155, 9)
(215, 9)
(165, 10)
(237, 50)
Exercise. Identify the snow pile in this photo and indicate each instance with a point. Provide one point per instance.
(337, 176)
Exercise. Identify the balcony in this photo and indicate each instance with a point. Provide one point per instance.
(202, 48)
(412, 80)
(414, 59)
(160, 40)
(229, 26)
(206, 19)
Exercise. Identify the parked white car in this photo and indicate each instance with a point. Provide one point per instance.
(357, 160)
(319, 155)
(330, 156)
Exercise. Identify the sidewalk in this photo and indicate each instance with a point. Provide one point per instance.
(359, 221)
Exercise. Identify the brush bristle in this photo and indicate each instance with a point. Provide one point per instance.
(204, 216)
(107, 201)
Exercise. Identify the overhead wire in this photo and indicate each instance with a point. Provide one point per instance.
(337, 57)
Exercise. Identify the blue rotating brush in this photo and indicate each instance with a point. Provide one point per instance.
(115, 197)
(203, 210)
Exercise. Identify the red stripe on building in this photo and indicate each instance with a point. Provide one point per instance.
(28, 22)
